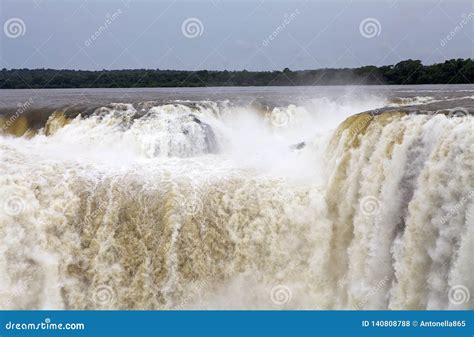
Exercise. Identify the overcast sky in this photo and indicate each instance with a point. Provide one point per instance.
(220, 34)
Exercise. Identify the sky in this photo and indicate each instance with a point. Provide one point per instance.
(229, 34)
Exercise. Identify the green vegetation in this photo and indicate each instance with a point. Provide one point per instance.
(405, 72)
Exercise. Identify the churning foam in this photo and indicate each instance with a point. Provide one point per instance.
(223, 207)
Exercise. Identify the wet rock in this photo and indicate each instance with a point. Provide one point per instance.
(298, 146)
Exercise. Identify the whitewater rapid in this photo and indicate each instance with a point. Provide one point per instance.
(213, 206)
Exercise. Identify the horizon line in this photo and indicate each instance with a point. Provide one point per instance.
(213, 70)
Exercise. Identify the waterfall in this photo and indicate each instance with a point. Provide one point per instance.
(179, 206)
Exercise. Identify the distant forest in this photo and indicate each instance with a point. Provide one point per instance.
(405, 72)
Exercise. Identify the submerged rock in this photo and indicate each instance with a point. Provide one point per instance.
(211, 141)
(298, 146)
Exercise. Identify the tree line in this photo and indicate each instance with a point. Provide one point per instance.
(453, 71)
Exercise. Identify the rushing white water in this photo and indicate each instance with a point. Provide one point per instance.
(215, 206)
